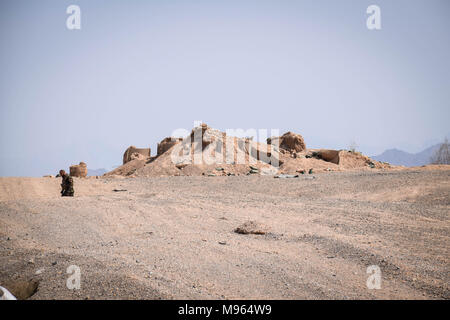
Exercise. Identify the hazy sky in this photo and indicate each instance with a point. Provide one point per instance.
(138, 70)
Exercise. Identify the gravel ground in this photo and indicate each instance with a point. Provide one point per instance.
(172, 237)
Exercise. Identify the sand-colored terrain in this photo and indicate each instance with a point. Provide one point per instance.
(173, 237)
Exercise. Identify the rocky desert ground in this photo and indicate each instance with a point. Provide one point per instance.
(174, 237)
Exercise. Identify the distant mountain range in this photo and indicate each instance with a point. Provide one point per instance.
(402, 158)
(96, 172)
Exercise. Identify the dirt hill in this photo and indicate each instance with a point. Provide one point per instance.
(210, 152)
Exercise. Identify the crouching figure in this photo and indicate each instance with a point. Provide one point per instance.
(66, 185)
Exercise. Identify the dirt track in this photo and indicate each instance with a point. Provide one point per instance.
(173, 237)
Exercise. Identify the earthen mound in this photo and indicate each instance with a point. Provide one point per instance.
(289, 141)
(210, 152)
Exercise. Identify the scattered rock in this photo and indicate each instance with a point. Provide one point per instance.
(251, 227)
(286, 176)
(181, 165)
(311, 171)
(222, 242)
(269, 171)
(39, 271)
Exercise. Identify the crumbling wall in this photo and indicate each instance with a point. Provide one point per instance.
(133, 153)
(289, 141)
(329, 155)
(78, 170)
(166, 144)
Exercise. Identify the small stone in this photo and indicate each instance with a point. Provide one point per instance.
(251, 227)
(286, 176)
(54, 263)
(39, 271)
(222, 243)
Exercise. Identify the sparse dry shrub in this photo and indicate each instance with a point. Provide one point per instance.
(442, 155)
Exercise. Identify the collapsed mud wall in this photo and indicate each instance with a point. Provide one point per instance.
(329, 155)
(78, 170)
(133, 153)
(166, 144)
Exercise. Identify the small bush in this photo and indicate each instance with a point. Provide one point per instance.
(442, 155)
